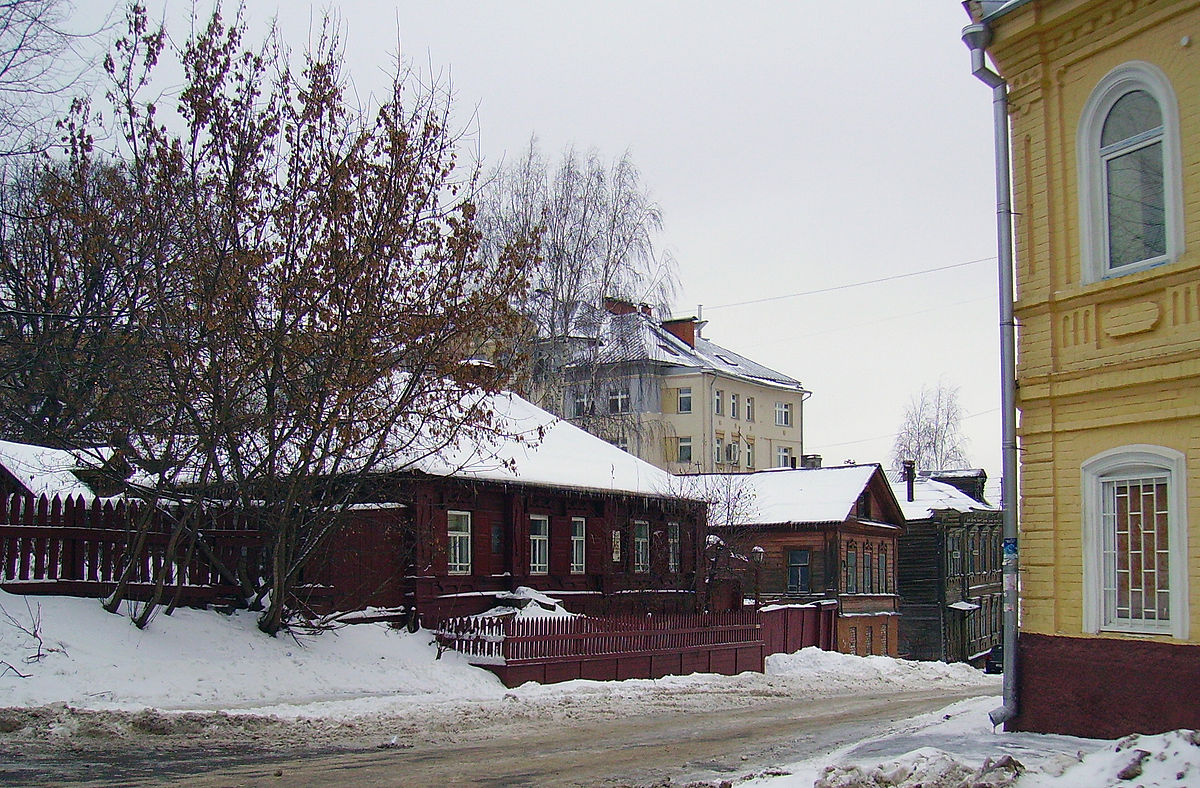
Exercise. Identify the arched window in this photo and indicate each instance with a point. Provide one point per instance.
(1135, 541)
(1130, 174)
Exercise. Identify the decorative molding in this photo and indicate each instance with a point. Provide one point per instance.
(1078, 328)
(1184, 303)
(1135, 318)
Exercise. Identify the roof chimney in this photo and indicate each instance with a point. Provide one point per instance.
(910, 473)
(810, 461)
(619, 306)
(684, 328)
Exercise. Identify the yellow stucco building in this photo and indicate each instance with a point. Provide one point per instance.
(1104, 110)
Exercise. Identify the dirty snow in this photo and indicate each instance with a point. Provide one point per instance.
(214, 677)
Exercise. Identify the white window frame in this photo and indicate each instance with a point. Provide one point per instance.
(734, 406)
(616, 546)
(719, 450)
(750, 454)
(783, 414)
(458, 544)
(1125, 463)
(578, 545)
(685, 399)
(684, 442)
(719, 402)
(732, 452)
(783, 457)
(582, 404)
(1093, 210)
(618, 400)
(749, 408)
(539, 545)
(641, 547)
(673, 546)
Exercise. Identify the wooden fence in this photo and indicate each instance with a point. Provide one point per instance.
(618, 647)
(789, 628)
(79, 548)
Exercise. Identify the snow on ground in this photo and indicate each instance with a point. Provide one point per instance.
(199, 660)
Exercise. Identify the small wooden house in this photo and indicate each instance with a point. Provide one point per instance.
(566, 514)
(949, 572)
(812, 534)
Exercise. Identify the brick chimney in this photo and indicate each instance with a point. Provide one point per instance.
(684, 328)
(619, 306)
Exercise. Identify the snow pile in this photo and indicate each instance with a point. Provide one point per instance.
(927, 767)
(202, 660)
(526, 602)
(1167, 759)
(846, 672)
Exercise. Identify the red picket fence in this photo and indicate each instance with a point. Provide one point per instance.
(618, 647)
(75, 547)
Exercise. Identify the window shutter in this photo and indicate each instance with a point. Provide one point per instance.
(670, 401)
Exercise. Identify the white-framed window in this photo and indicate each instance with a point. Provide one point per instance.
(783, 414)
(719, 401)
(750, 454)
(1130, 173)
(783, 457)
(641, 546)
(1135, 541)
(618, 400)
(582, 404)
(673, 547)
(719, 450)
(458, 532)
(539, 544)
(578, 545)
(734, 407)
(733, 452)
(749, 408)
(685, 399)
(685, 449)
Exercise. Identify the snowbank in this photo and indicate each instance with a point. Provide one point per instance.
(202, 660)
(846, 672)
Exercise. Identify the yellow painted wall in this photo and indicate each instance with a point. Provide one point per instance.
(1117, 361)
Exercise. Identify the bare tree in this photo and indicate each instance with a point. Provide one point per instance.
(40, 60)
(931, 435)
(312, 297)
(595, 226)
(733, 514)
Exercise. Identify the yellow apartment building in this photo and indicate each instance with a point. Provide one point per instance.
(1104, 111)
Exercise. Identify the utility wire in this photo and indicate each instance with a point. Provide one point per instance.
(894, 434)
(852, 284)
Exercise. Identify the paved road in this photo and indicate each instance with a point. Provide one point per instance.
(661, 746)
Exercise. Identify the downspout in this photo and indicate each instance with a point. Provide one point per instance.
(977, 37)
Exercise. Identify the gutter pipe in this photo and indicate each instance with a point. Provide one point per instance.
(977, 37)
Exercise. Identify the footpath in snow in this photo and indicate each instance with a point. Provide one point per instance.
(61, 655)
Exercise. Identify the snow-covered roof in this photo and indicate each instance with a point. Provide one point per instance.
(563, 456)
(49, 472)
(930, 496)
(798, 495)
(636, 337)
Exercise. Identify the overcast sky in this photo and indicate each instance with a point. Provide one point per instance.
(797, 149)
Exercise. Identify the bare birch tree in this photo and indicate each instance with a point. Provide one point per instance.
(931, 434)
(596, 226)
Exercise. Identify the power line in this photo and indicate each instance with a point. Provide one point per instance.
(853, 284)
(826, 446)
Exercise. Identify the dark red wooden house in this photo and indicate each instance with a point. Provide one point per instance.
(570, 515)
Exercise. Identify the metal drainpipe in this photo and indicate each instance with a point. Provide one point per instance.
(977, 37)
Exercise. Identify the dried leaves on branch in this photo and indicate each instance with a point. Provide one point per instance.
(288, 293)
